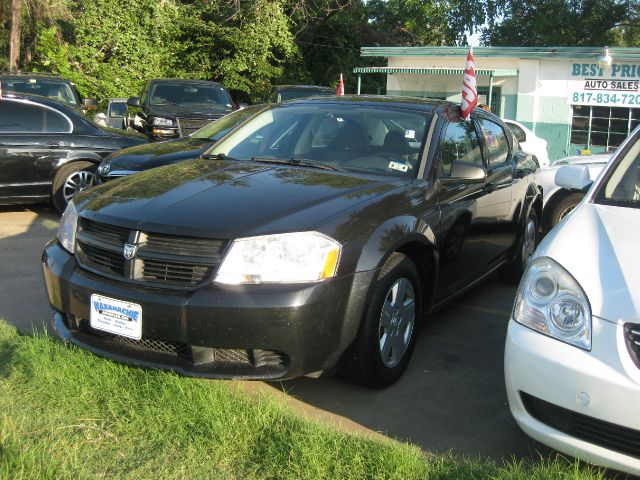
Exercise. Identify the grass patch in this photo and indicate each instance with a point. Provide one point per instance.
(65, 413)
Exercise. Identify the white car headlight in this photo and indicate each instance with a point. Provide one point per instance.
(552, 302)
(67, 229)
(283, 258)
(162, 122)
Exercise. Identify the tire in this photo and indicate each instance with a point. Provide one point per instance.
(563, 207)
(529, 238)
(70, 180)
(385, 342)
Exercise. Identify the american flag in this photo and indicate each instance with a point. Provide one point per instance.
(469, 89)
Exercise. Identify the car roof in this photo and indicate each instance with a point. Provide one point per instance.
(50, 102)
(444, 107)
(26, 75)
(305, 87)
(186, 80)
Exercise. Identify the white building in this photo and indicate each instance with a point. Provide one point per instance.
(560, 93)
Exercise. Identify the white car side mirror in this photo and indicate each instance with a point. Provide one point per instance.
(573, 177)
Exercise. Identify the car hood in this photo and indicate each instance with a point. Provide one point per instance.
(151, 155)
(189, 110)
(228, 199)
(598, 245)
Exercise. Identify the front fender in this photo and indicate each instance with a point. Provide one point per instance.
(391, 235)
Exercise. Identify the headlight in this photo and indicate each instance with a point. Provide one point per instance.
(67, 229)
(162, 122)
(284, 258)
(550, 301)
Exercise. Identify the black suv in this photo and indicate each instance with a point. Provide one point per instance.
(170, 108)
(49, 151)
(46, 85)
(315, 235)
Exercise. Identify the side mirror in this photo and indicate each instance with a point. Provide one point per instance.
(133, 101)
(465, 173)
(90, 104)
(242, 105)
(573, 177)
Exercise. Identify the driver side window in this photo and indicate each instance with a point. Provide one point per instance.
(460, 144)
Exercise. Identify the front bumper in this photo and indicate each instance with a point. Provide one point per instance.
(578, 402)
(256, 331)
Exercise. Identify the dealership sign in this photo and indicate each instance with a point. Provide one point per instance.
(618, 86)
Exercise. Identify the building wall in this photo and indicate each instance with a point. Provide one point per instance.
(540, 96)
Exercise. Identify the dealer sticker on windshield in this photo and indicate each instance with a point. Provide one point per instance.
(403, 167)
(115, 316)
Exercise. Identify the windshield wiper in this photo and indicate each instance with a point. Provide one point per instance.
(295, 161)
(218, 156)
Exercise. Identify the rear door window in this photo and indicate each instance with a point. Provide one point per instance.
(55, 122)
(496, 141)
(19, 117)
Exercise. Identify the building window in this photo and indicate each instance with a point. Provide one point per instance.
(602, 126)
(483, 97)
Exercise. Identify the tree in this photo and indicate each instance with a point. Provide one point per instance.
(14, 34)
(563, 23)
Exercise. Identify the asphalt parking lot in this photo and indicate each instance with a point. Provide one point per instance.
(452, 396)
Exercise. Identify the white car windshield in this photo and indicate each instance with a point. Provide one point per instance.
(622, 186)
(351, 137)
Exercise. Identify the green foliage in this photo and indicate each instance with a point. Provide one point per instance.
(245, 51)
(565, 23)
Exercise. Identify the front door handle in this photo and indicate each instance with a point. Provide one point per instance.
(54, 145)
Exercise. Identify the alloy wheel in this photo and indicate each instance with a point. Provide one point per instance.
(397, 320)
(75, 183)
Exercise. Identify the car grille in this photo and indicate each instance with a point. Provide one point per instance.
(598, 432)
(161, 260)
(187, 126)
(237, 356)
(632, 339)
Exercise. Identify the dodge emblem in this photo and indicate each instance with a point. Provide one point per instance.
(130, 251)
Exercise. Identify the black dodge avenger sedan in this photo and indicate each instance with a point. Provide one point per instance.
(311, 238)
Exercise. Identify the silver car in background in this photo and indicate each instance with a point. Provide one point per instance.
(557, 202)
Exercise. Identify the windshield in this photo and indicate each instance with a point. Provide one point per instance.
(118, 109)
(622, 185)
(216, 130)
(181, 93)
(47, 88)
(350, 137)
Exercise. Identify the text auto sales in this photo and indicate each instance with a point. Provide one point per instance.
(620, 88)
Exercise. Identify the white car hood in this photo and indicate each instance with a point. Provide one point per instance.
(600, 246)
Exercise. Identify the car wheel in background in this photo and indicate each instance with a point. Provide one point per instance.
(69, 181)
(386, 338)
(563, 207)
(526, 248)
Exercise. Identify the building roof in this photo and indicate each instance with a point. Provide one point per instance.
(588, 53)
(495, 72)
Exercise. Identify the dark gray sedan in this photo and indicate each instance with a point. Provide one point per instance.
(312, 237)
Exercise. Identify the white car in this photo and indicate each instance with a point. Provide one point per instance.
(530, 142)
(572, 353)
(557, 202)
